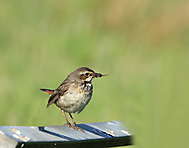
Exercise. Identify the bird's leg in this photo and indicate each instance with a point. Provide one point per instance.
(68, 123)
(74, 123)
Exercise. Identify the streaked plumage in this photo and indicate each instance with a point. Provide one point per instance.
(75, 92)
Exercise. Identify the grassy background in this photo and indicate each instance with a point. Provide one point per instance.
(143, 45)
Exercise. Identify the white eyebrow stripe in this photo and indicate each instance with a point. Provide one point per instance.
(84, 72)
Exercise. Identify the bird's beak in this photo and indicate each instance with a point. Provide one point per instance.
(97, 75)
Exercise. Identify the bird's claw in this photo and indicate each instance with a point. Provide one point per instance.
(73, 126)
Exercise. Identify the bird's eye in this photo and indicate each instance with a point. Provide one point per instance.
(87, 74)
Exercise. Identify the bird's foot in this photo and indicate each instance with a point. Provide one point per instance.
(73, 126)
(68, 124)
(77, 128)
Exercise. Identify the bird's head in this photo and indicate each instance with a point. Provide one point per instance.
(85, 74)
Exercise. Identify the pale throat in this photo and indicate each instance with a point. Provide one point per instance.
(89, 79)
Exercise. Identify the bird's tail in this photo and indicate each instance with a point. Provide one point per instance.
(48, 91)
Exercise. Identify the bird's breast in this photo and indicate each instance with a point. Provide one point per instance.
(76, 98)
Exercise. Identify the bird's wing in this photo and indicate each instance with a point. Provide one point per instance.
(53, 98)
(57, 93)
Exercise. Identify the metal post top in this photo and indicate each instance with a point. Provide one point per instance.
(100, 134)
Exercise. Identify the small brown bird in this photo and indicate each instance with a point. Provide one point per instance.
(74, 93)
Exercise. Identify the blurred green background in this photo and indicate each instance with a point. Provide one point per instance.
(142, 45)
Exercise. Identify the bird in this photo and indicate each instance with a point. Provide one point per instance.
(74, 93)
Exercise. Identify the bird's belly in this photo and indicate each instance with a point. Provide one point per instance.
(73, 102)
